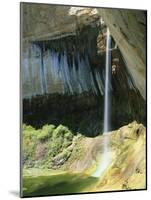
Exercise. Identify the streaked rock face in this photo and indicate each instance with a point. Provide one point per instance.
(38, 73)
(128, 28)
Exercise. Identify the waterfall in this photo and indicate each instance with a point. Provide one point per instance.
(106, 157)
(107, 83)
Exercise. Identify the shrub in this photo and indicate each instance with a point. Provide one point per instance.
(56, 146)
(66, 142)
(42, 145)
(49, 128)
(60, 131)
(62, 138)
(46, 132)
(66, 154)
(27, 128)
(68, 136)
(29, 144)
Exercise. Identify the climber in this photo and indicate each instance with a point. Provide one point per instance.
(114, 69)
(115, 65)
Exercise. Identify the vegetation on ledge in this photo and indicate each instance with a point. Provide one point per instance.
(48, 147)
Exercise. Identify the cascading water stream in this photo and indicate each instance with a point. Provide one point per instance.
(106, 157)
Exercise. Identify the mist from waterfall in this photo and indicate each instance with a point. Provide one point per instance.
(106, 157)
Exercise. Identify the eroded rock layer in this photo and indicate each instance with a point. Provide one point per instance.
(128, 28)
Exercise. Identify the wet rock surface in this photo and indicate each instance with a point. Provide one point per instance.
(127, 170)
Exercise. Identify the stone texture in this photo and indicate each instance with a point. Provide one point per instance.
(36, 81)
(128, 28)
(126, 170)
(42, 21)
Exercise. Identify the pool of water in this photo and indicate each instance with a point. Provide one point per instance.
(57, 184)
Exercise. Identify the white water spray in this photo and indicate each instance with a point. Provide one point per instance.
(106, 156)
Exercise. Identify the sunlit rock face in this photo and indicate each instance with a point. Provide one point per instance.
(127, 147)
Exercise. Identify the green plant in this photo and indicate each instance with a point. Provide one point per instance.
(61, 131)
(56, 146)
(46, 132)
(42, 145)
